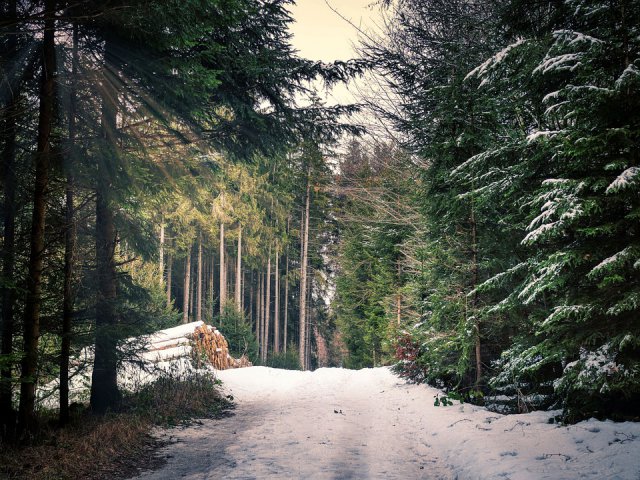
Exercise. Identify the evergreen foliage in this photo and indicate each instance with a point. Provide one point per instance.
(525, 116)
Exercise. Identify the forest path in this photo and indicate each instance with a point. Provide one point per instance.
(327, 424)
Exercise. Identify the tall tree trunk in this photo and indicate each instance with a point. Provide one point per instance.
(104, 386)
(286, 300)
(223, 273)
(211, 282)
(238, 292)
(161, 266)
(276, 311)
(187, 286)
(169, 268)
(243, 282)
(259, 311)
(399, 296)
(7, 414)
(303, 280)
(69, 243)
(34, 279)
(267, 308)
(169, 279)
(251, 298)
(199, 306)
(307, 359)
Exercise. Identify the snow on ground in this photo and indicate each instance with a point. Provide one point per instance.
(346, 424)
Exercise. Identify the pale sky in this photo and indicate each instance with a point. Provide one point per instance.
(320, 34)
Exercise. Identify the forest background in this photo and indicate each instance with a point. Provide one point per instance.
(170, 161)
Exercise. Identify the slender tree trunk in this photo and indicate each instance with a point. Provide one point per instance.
(34, 279)
(223, 280)
(267, 307)
(259, 313)
(104, 386)
(286, 300)
(243, 282)
(161, 266)
(211, 282)
(7, 414)
(276, 311)
(194, 289)
(70, 243)
(238, 292)
(251, 297)
(399, 297)
(187, 286)
(307, 358)
(169, 268)
(303, 279)
(199, 305)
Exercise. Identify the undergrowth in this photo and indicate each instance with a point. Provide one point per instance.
(117, 444)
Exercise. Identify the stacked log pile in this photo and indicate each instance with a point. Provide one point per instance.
(211, 345)
(198, 341)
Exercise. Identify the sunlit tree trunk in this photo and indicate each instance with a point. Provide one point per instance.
(169, 268)
(303, 280)
(286, 300)
(211, 283)
(187, 286)
(276, 311)
(238, 292)
(267, 308)
(161, 266)
(223, 280)
(34, 278)
(259, 313)
(199, 304)
(251, 297)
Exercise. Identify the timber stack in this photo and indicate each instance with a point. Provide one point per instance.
(201, 342)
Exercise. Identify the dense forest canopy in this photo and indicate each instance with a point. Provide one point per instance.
(170, 161)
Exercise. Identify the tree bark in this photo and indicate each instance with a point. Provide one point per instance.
(303, 280)
(34, 280)
(199, 305)
(69, 243)
(238, 292)
(276, 310)
(211, 286)
(161, 266)
(251, 298)
(187, 286)
(223, 280)
(7, 414)
(104, 386)
(169, 268)
(286, 300)
(259, 311)
(399, 297)
(267, 308)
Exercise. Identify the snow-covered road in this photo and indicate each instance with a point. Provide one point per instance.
(345, 424)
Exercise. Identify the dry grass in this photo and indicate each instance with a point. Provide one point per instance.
(116, 445)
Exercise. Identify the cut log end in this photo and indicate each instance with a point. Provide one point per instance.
(210, 346)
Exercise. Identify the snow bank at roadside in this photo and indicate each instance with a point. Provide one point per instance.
(165, 352)
(474, 442)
